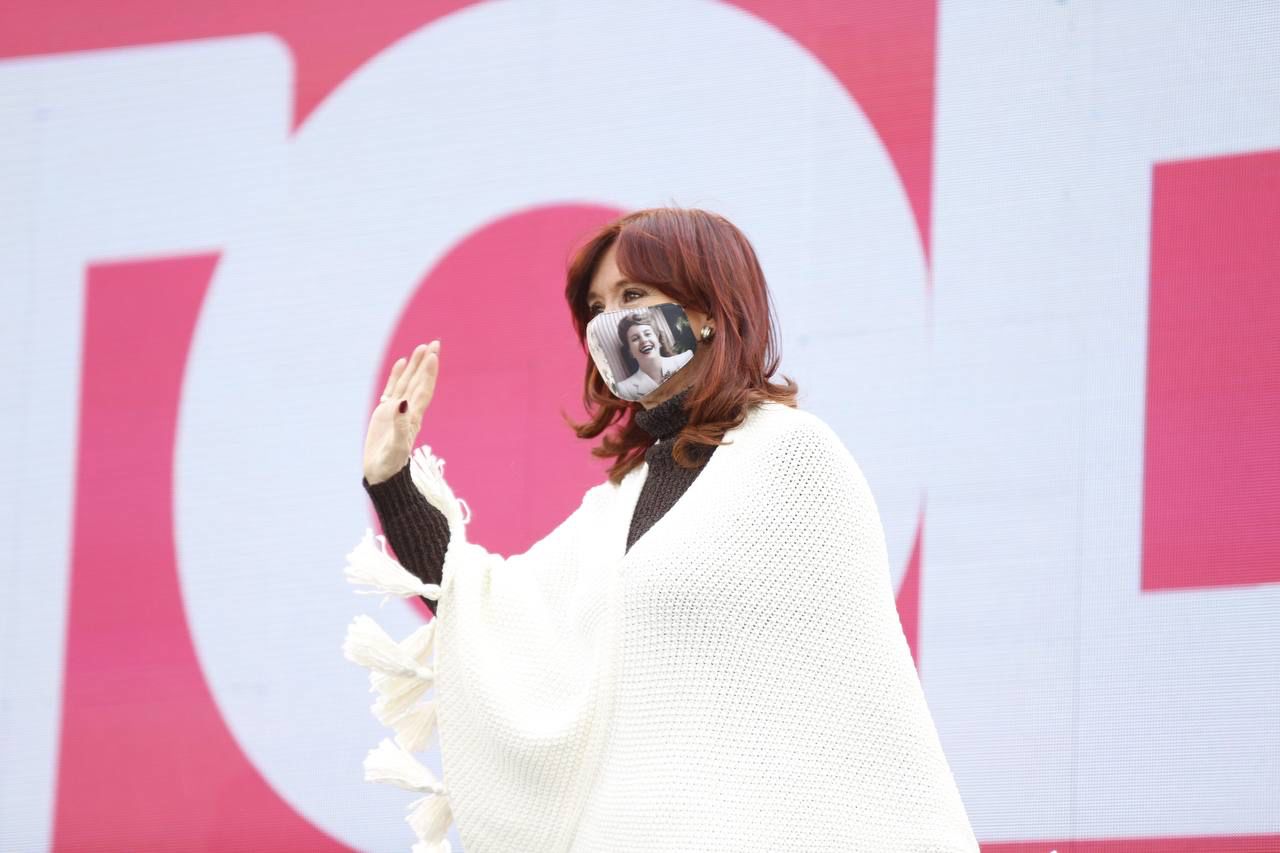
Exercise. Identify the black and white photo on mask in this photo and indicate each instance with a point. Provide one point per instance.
(637, 349)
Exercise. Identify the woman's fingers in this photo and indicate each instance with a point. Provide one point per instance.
(405, 378)
(424, 385)
(415, 373)
(396, 370)
(414, 378)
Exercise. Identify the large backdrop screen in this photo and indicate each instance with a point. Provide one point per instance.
(1025, 262)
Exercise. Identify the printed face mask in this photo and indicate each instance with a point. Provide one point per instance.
(638, 349)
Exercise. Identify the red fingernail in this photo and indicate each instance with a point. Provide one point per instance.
(404, 406)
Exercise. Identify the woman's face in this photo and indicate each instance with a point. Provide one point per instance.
(642, 342)
(610, 290)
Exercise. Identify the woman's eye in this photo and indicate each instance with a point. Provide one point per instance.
(594, 310)
(632, 294)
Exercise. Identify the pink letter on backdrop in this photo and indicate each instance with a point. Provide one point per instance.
(1212, 447)
(145, 760)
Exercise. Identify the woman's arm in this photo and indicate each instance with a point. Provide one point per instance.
(417, 532)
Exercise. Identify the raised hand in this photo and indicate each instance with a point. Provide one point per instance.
(392, 432)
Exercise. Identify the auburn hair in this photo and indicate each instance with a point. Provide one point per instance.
(702, 261)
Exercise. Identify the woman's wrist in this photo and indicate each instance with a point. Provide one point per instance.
(395, 494)
(383, 472)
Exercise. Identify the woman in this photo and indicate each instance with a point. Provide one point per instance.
(706, 654)
(647, 354)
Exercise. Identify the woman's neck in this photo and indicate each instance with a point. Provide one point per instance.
(664, 419)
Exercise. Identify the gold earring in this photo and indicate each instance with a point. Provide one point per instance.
(706, 332)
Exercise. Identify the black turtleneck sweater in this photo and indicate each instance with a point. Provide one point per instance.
(419, 534)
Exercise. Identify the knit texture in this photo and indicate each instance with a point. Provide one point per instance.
(667, 480)
(593, 698)
(416, 530)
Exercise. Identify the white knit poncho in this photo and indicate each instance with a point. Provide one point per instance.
(739, 680)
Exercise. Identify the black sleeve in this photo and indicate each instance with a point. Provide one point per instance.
(417, 532)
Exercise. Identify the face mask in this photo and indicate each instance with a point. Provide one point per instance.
(638, 349)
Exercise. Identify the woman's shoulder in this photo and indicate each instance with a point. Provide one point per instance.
(598, 498)
(785, 440)
(770, 420)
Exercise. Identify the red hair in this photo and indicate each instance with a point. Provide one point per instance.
(701, 260)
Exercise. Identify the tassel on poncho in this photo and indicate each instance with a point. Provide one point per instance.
(403, 672)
